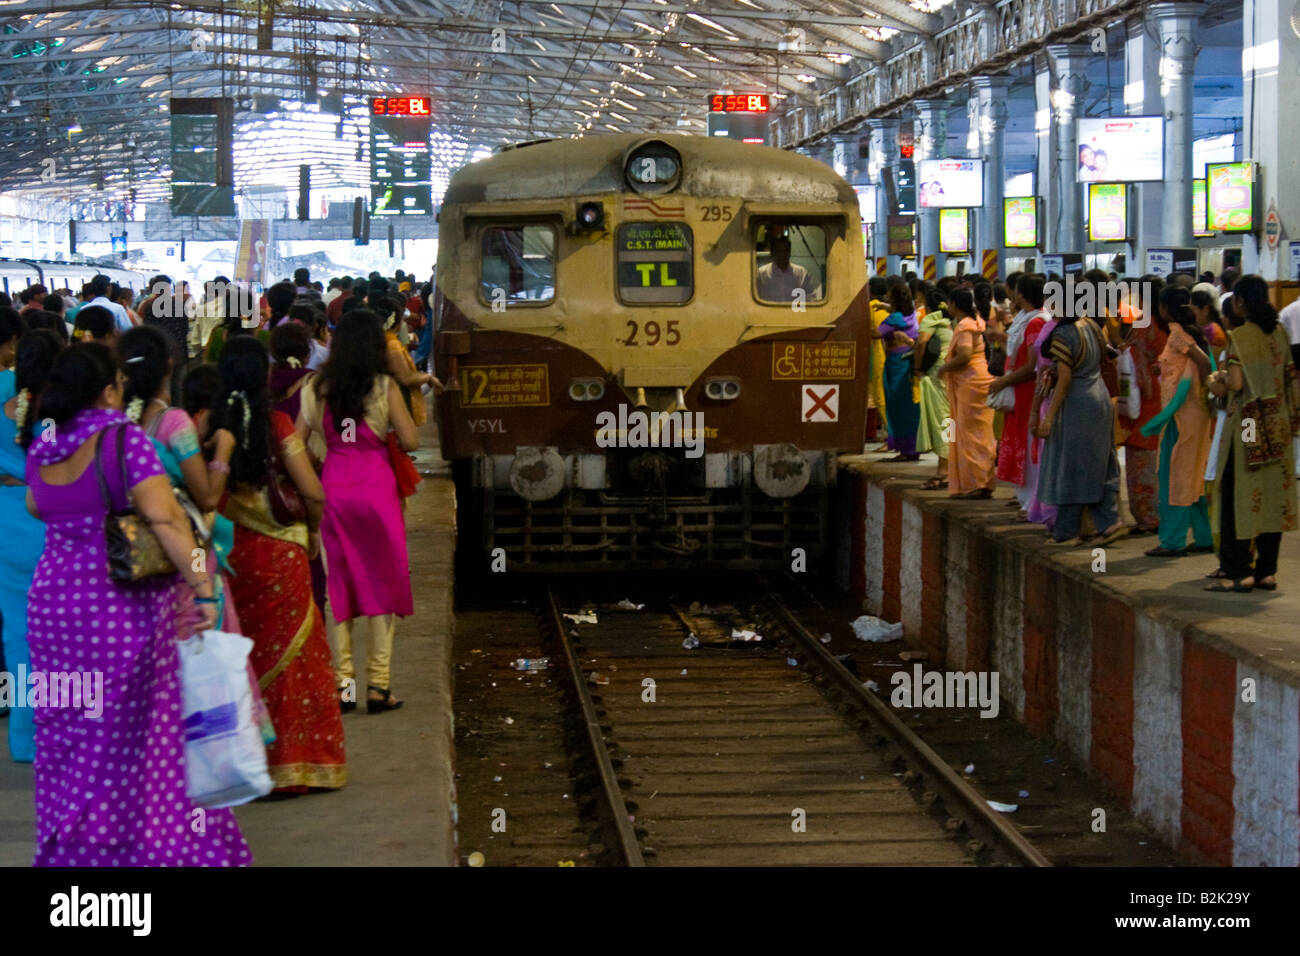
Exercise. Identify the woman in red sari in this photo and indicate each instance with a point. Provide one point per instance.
(1144, 344)
(1014, 465)
(272, 582)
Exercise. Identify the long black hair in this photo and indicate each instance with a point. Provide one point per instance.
(78, 376)
(1175, 301)
(146, 361)
(37, 351)
(1250, 298)
(358, 355)
(93, 322)
(243, 407)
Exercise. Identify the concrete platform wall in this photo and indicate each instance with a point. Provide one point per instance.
(1148, 703)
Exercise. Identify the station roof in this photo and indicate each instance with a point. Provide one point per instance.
(87, 82)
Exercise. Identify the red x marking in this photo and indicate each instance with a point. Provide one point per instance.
(819, 403)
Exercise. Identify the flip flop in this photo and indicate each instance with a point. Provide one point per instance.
(1223, 587)
(1114, 534)
(1272, 586)
(1217, 574)
(934, 484)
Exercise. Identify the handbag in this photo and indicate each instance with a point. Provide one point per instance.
(133, 550)
(221, 713)
(287, 506)
(407, 476)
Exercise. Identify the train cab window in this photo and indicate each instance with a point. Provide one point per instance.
(518, 265)
(790, 262)
(654, 263)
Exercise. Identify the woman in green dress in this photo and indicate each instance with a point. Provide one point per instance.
(1255, 495)
(927, 359)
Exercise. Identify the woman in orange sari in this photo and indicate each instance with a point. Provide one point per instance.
(271, 586)
(972, 454)
(400, 364)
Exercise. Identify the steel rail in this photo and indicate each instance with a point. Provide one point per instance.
(628, 846)
(958, 795)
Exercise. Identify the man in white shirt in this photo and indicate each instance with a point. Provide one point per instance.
(778, 280)
(99, 287)
(1290, 319)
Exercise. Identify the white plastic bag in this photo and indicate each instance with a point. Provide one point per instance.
(225, 759)
(877, 630)
(1212, 464)
(1130, 394)
(1004, 399)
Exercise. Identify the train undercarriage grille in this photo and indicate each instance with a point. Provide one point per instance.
(724, 528)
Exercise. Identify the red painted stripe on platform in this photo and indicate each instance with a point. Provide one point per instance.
(858, 538)
(981, 593)
(1040, 657)
(934, 609)
(890, 605)
(1209, 696)
(1112, 692)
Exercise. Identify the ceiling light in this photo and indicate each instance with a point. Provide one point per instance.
(15, 102)
(806, 78)
(74, 126)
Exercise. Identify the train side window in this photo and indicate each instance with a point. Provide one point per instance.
(790, 262)
(518, 265)
(655, 263)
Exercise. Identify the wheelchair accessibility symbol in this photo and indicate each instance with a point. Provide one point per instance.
(787, 364)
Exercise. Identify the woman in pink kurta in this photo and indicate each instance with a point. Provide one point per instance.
(353, 404)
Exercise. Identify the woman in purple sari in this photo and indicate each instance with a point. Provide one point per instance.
(110, 767)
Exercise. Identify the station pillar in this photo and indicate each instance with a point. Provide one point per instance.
(1142, 98)
(989, 110)
(1270, 52)
(883, 156)
(1176, 24)
(931, 127)
(1069, 64)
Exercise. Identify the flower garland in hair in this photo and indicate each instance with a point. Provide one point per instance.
(134, 409)
(21, 401)
(243, 400)
(390, 321)
(293, 361)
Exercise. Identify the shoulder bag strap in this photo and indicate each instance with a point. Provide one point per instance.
(121, 458)
(99, 472)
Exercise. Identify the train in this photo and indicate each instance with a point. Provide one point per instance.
(653, 348)
(19, 274)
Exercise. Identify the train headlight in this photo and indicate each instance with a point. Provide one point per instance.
(586, 389)
(722, 389)
(590, 217)
(653, 167)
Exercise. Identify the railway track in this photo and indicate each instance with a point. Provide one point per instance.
(726, 754)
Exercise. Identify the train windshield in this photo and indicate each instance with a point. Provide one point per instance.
(518, 265)
(790, 262)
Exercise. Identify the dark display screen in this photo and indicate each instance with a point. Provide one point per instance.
(401, 169)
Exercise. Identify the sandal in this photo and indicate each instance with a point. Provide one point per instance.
(385, 702)
(1269, 586)
(934, 484)
(1224, 587)
(1164, 553)
(1113, 534)
(1217, 574)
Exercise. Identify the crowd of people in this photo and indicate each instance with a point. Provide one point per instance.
(269, 455)
(1194, 381)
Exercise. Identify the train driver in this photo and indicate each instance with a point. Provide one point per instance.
(778, 280)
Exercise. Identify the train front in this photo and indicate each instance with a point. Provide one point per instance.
(654, 349)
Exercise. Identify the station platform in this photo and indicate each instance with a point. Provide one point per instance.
(398, 807)
(1187, 703)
